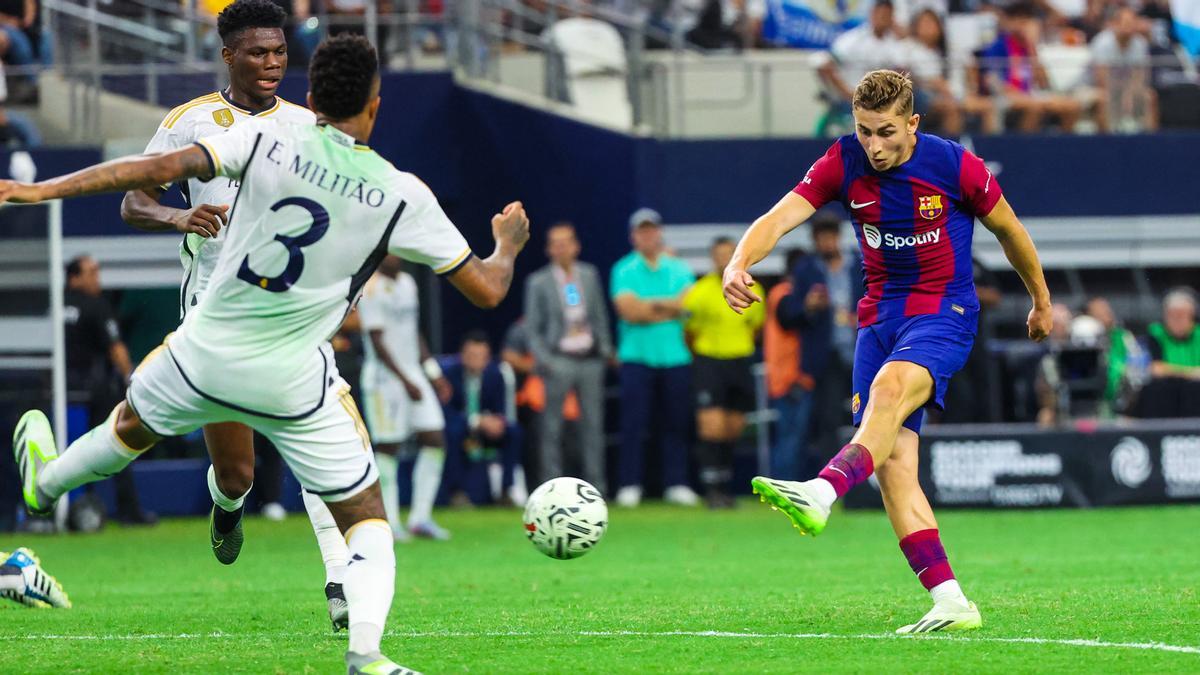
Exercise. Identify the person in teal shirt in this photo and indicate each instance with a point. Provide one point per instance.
(647, 288)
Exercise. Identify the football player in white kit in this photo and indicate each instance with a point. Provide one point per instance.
(399, 398)
(256, 55)
(315, 212)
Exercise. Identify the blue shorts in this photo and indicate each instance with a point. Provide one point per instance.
(938, 342)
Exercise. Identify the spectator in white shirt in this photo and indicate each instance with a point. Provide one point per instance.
(873, 45)
(1121, 58)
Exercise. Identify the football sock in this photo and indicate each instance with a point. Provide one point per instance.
(96, 455)
(329, 538)
(495, 474)
(370, 582)
(427, 478)
(389, 487)
(928, 561)
(229, 511)
(851, 466)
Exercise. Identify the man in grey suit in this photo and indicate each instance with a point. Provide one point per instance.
(567, 324)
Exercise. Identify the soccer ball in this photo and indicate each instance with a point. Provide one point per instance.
(565, 517)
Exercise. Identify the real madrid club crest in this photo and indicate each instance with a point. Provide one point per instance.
(224, 117)
(930, 206)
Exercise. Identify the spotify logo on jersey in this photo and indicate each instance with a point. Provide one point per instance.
(871, 233)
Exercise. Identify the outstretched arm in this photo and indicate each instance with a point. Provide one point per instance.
(486, 282)
(758, 241)
(1021, 253)
(141, 209)
(119, 175)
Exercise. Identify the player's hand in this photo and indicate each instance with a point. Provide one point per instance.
(1039, 323)
(414, 392)
(443, 389)
(736, 286)
(20, 193)
(205, 220)
(511, 226)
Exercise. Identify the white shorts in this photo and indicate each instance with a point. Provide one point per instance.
(328, 451)
(392, 416)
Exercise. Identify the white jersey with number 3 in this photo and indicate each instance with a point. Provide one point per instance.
(205, 116)
(313, 217)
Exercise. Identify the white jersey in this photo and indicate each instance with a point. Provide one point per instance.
(205, 116)
(314, 215)
(393, 306)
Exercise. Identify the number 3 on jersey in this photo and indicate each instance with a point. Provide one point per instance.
(295, 265)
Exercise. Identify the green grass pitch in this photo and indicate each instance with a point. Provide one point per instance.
(668, 590)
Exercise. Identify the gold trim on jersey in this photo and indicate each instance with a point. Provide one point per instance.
(173, 117)
(447, 267)
(211, 153)
(351, 409)
(229, 102)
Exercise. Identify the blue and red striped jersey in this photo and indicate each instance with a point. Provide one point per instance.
(914, 223)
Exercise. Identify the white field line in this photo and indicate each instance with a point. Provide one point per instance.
(1077, 642)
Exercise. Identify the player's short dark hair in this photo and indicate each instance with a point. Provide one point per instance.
(720, 241)
(879, 90)
(75, 266)
(826, 222)
(477, 336)
(341, 74)
(244, 14)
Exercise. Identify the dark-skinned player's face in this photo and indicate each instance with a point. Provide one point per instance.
(887, 136)
(257, 59)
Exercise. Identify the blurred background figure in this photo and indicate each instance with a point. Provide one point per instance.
(647, 289)
(482, 442)
(1122, 73)
(789, 389)
(723, 342)
(1174, 346)
(399, 397)
(566, 324)
(98, 370)
(823, 307)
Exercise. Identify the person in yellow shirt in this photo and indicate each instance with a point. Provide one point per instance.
(723, 343)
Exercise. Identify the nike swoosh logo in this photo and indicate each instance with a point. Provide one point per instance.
(856, 205)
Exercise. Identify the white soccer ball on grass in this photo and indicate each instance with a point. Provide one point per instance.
(565, 517)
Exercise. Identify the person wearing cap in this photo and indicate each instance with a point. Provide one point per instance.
(567, 326)
(647, 288)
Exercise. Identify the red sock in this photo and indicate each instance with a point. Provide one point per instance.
(927, 558)
(851, 466)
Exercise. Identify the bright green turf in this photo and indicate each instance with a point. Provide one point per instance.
(1119, 575)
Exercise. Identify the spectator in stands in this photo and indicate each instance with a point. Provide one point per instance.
(1121, 59)
(789, 390)
(1011, 71)
(927, 59)
(870, 46)
(1174, 346)
(567, 326)
(726, 24)
(723, 342)
(16, 130)
(647, 288)
(479, 432)
(16, 17)
(98, 366)
(823, 306)
(1121, 347)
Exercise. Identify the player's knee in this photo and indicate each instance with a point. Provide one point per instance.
(234, 480)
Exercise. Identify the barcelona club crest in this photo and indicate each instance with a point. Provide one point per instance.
(224, 117)
(930, 206)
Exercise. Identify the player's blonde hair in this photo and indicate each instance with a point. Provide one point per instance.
(879, 90)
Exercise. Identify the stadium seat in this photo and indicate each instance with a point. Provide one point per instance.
(594, 69)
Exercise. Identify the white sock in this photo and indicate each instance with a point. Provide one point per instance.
(96, 455)
(329, 538)
(219, 498)
(427, 477)
(517, 491)
(370, 583)
(823, 491)
(948, 590)
(389, 486)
